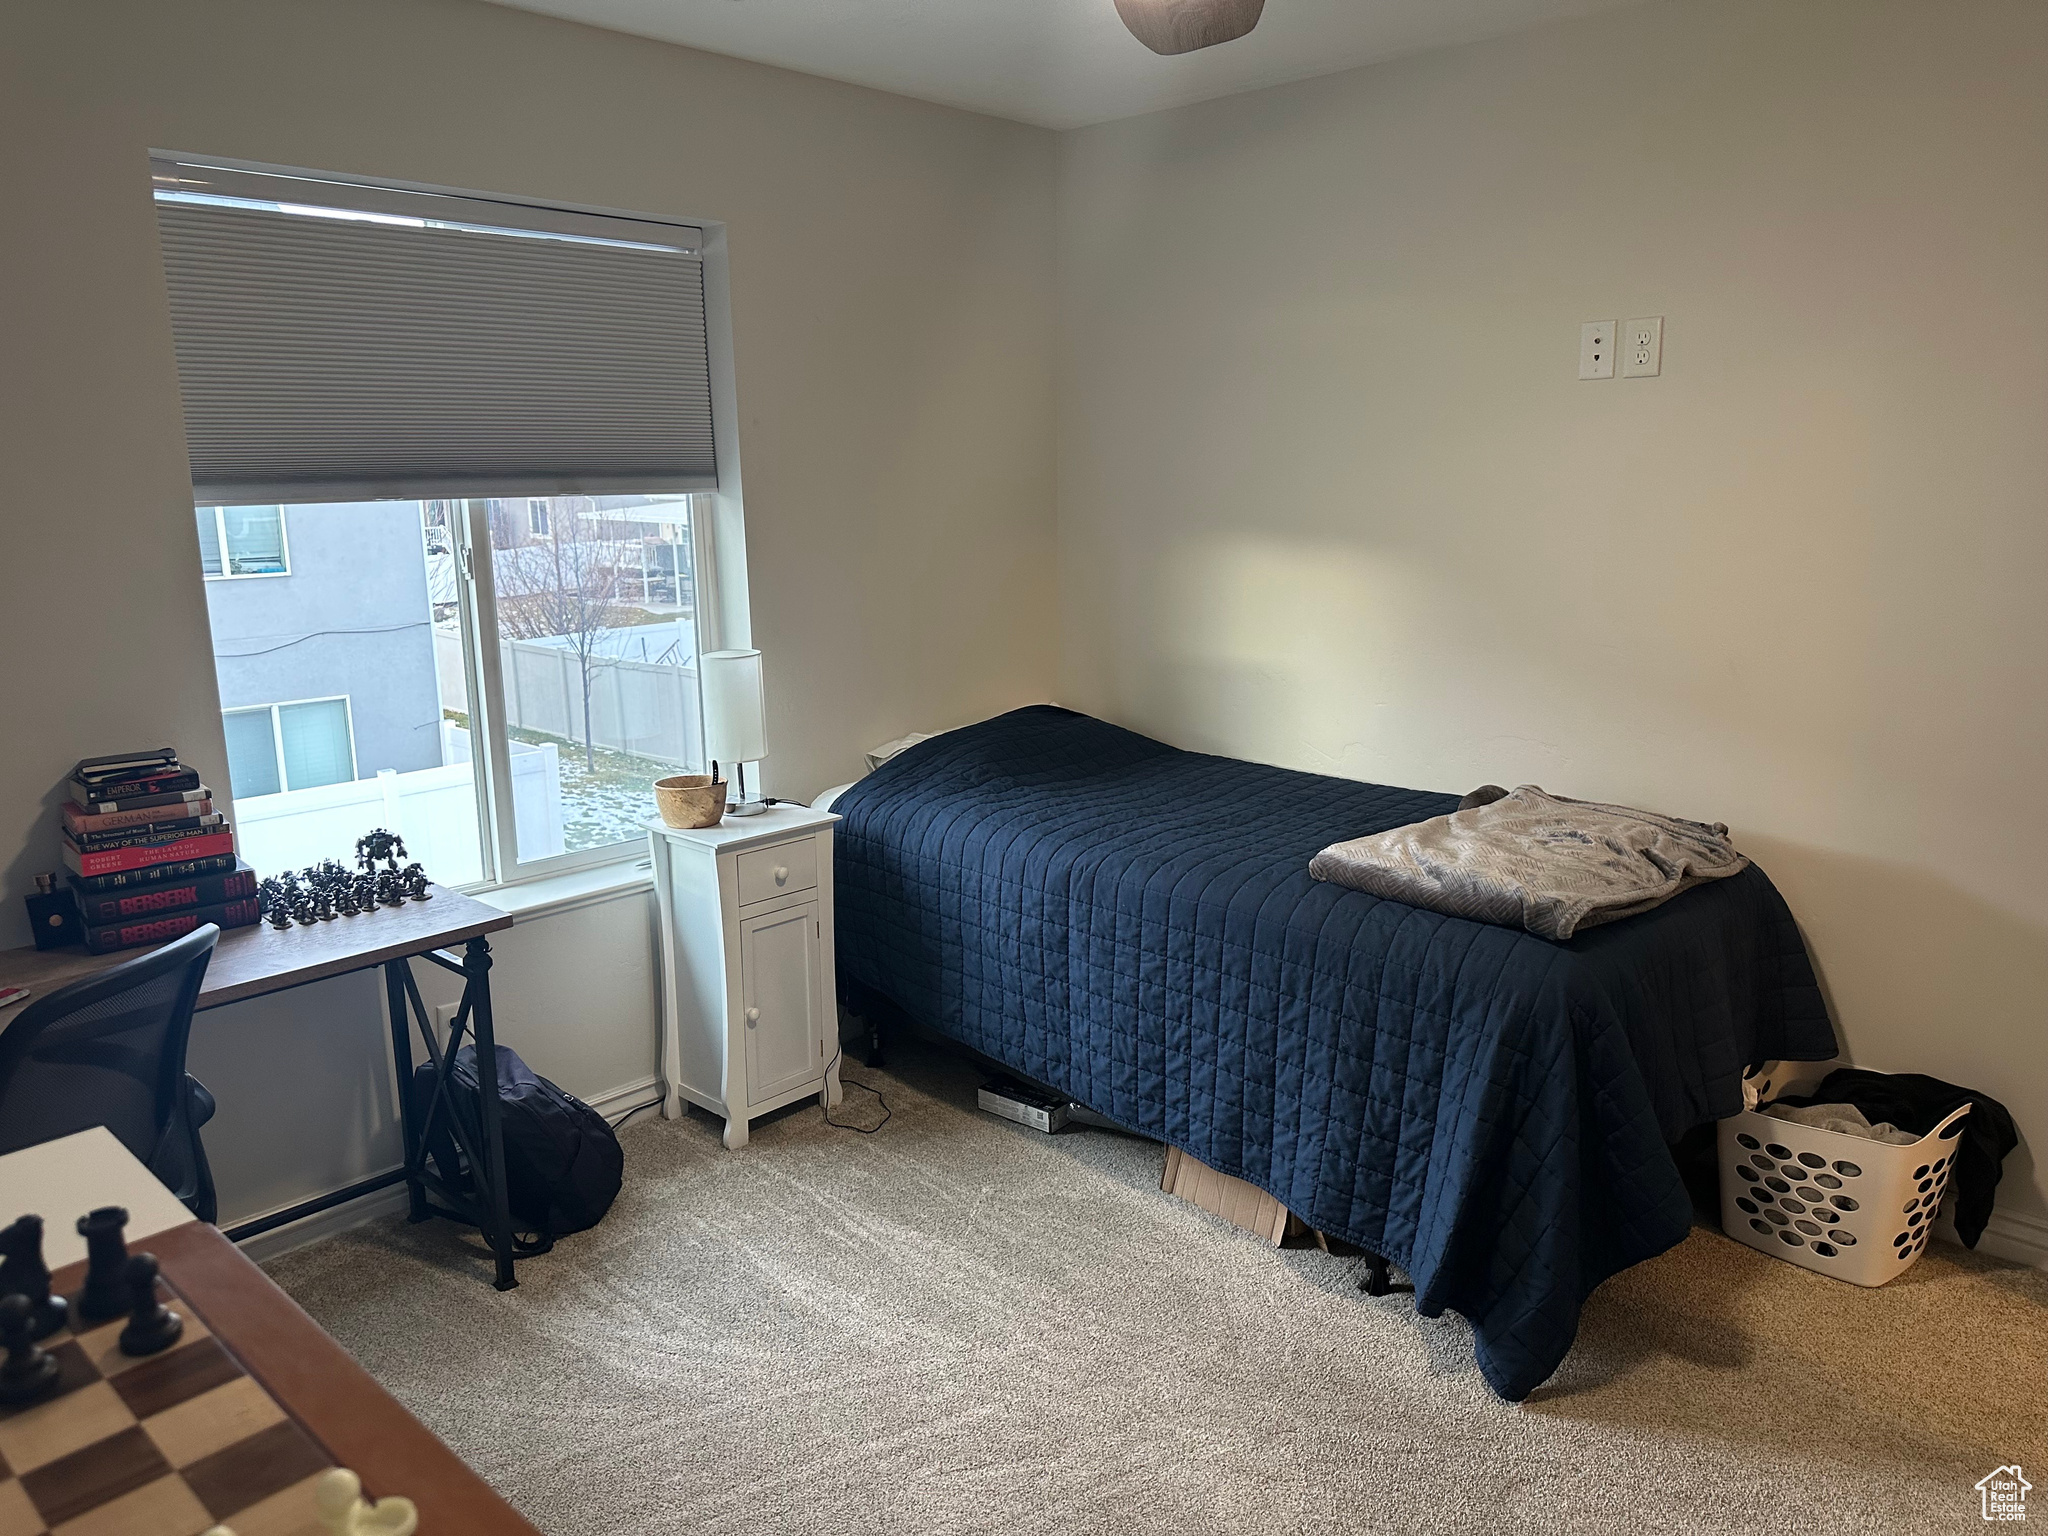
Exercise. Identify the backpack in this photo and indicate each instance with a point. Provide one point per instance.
(563, 1163)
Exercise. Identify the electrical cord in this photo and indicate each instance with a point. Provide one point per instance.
(629, 1114)
(840, 1125)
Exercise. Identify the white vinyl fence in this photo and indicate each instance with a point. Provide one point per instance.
(433, 809)
(648, 708)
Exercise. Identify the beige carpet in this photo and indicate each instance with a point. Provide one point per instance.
(959, 1325)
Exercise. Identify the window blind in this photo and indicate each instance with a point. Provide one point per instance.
(342, 342)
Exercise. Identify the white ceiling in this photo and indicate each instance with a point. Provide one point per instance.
(1057, 63)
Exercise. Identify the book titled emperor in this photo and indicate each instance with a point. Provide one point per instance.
(83, 824)
(239, 913)
(128, 902)
(136, 793)
(170, 850)
(155, 874)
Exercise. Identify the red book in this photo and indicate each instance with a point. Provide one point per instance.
(141, 857)
(239, 913)
(82, 823)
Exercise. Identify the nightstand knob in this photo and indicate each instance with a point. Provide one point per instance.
(753, 1017)
(781, 874)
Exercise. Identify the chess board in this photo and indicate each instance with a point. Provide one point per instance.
(169, 1444)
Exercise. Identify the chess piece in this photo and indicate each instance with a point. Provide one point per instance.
(29, 1370)
(106, 1253)
(153, 1327)
(23, 1273)
(338, 1501)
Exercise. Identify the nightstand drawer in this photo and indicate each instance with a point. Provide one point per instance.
(776, 871)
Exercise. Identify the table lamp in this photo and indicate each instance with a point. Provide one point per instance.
(735, 719)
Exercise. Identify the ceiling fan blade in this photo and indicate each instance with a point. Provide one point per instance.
(1182, 26)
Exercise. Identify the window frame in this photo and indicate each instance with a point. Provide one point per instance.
(490, 740)
(220, 536)
(718, 545)
(537, 506)
(285, 786)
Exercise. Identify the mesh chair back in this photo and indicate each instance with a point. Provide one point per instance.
(109, 1050)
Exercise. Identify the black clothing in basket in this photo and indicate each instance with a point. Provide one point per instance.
(1917, 1103)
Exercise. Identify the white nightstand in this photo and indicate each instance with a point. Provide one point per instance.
(750, 1020)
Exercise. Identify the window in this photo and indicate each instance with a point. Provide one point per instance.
(302, 745)
(242, 541)
(592, 680)
(492, 422)
(597, 664)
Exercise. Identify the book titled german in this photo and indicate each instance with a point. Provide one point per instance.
(171, 850)
(128, 902)
(82, 824)
(240, 913)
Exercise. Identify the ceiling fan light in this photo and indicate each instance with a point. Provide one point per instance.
(1182, 26)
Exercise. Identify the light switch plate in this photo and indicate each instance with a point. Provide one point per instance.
(1642, 348)
(1596, 349)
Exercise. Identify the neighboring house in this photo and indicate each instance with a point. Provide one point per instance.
(321, 641)
(647, 536)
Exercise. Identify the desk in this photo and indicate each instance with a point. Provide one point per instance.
(257, 961)
(353, 1420)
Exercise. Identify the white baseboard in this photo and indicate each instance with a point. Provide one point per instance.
(630, 1102)
(279, 1241)
(2022, 1239)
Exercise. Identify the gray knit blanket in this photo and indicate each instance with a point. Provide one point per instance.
(1536, 861)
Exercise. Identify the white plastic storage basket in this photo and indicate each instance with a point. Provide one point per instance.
(1847, 1206)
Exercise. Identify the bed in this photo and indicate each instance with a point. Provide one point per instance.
(1135, 925)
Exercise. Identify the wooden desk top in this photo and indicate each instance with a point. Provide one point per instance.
(315, 1380)
(249, 962)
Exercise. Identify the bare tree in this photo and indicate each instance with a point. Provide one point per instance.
(564, 584)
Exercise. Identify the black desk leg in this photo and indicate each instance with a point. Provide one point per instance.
(476, 970)
(401, 1055)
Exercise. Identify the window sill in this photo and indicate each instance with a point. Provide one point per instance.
(565, 893)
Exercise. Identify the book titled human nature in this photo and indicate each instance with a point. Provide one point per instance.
(171, 850)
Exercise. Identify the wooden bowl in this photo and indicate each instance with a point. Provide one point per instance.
(690, 800)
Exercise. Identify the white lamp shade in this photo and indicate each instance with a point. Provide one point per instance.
(735, 716)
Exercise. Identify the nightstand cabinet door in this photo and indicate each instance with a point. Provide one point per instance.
(782, 1005)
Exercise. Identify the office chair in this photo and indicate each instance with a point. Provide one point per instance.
(110, 1050)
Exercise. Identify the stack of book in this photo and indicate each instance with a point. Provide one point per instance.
(149, 857)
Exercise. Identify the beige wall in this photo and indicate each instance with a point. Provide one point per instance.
(1331, 494)
(892, 289)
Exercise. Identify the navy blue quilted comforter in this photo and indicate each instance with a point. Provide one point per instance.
(1136, 926)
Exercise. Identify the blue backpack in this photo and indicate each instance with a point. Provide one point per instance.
(563, 1163)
